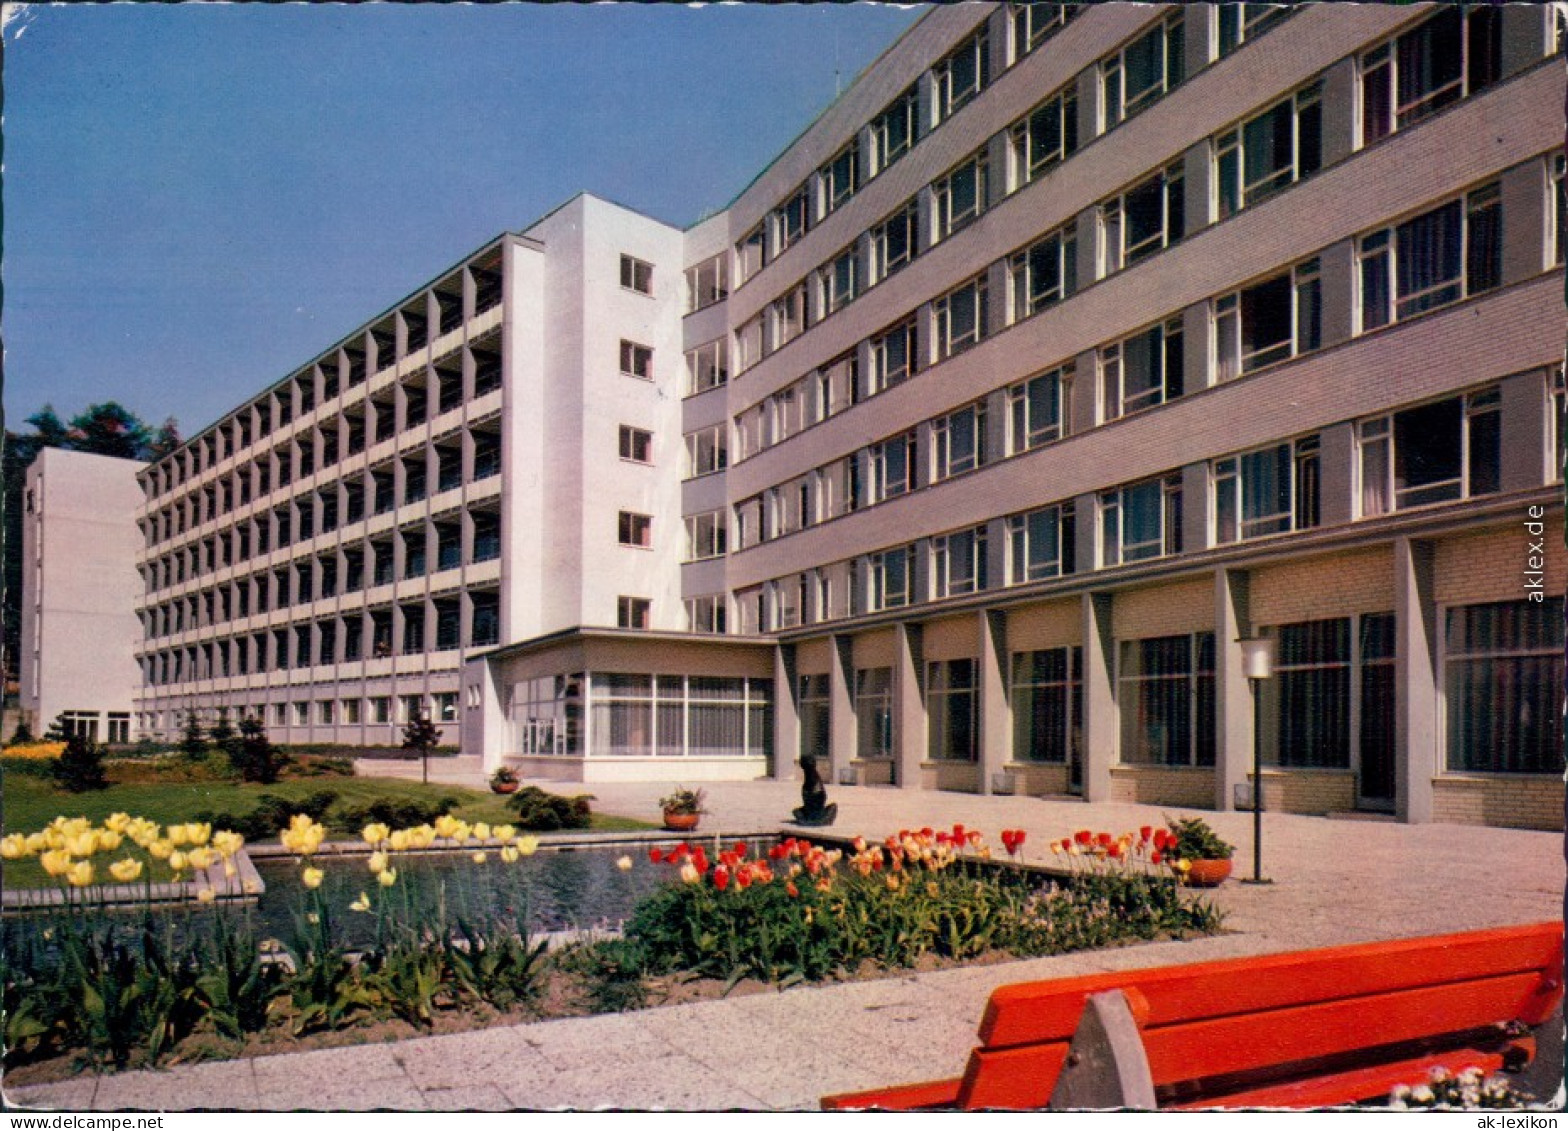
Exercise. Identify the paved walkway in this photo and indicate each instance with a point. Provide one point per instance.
(1336, 881)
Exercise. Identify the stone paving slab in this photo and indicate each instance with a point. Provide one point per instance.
(1336, 882)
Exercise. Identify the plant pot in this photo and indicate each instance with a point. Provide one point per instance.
(681, 822)
(504, 786)
(1207, 873)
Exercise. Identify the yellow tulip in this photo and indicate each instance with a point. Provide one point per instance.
(229, 869)
(227, 843)
(82, 844)
(206, 895)
(55, 862)
(176, 835)
(624, 863)
(421, 836)
(13, 847)
(108, 840)
(503, 832)
(527, 845)
(388, 878)
(81, 874)
(373, 834)
(446, 826)
(117, 822)
(177, 861)
(160, 849)
(126, 870)
(479, 858)
(398, 841)
(360, 904)
(509, 855)
(689, 873)
(377, 862)
(311, 878)
(200, 857)
(35, 843)
(482, 830)
(198, 833)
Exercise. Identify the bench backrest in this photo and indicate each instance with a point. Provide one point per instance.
(1229, 1018)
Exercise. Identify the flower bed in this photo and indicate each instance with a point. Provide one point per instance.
(117, 991)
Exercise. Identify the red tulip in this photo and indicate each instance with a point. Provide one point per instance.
(926, 832)
(1104, 840)
(1019, 836)
(958, 832)
(1156, 856)
(789, 886)
(721, 877)
(655, 856)
(1114, 850)
(1083, 836)
(1145, 833)
(740, 848)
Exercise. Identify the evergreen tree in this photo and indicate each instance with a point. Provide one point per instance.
(254, 756)
(193, 743)
(23, 735)
(222, 733)
(80, 766)
(110, 429)
(423, 736)
(59, 730)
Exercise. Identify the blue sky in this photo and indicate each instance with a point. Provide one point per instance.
(199, 198)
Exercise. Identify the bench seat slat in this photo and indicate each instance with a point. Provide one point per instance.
(1049, 1010)
(1357, 1084)
(1246, 1043)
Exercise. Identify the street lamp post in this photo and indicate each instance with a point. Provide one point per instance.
(1257, 664)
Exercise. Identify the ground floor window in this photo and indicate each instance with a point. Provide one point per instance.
(1166, 690)
(815, 716)
(83, 723)
(546, 715)
(874, 714)
(1503, 678)
(1047, 704)
(672, 716)
(1308, 700)
(950, 708)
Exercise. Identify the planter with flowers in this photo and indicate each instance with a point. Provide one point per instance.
(504, 780)
(1197, 852)
(683, 809)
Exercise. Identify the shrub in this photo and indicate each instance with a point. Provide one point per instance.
(541, 812)
(393, 812)
(318, 766)
(271, 814)
(80, 766)
(23, 735)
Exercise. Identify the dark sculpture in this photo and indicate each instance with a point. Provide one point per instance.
(814, 812)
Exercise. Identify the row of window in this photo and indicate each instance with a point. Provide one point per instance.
(410, 629)
(328, 444)
(956, 79)
(1250, 162)
(1441, 256)
(402, 555)
(438, 707)
(470, 292)
(1330, 704)
(1436, 452)
(322, 512)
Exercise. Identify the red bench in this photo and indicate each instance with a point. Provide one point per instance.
(1305, 1029)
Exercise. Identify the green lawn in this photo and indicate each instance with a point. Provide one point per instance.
(29, 803)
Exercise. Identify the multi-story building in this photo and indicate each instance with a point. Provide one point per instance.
(1067, 349)
(79, 627)
(450, 476)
